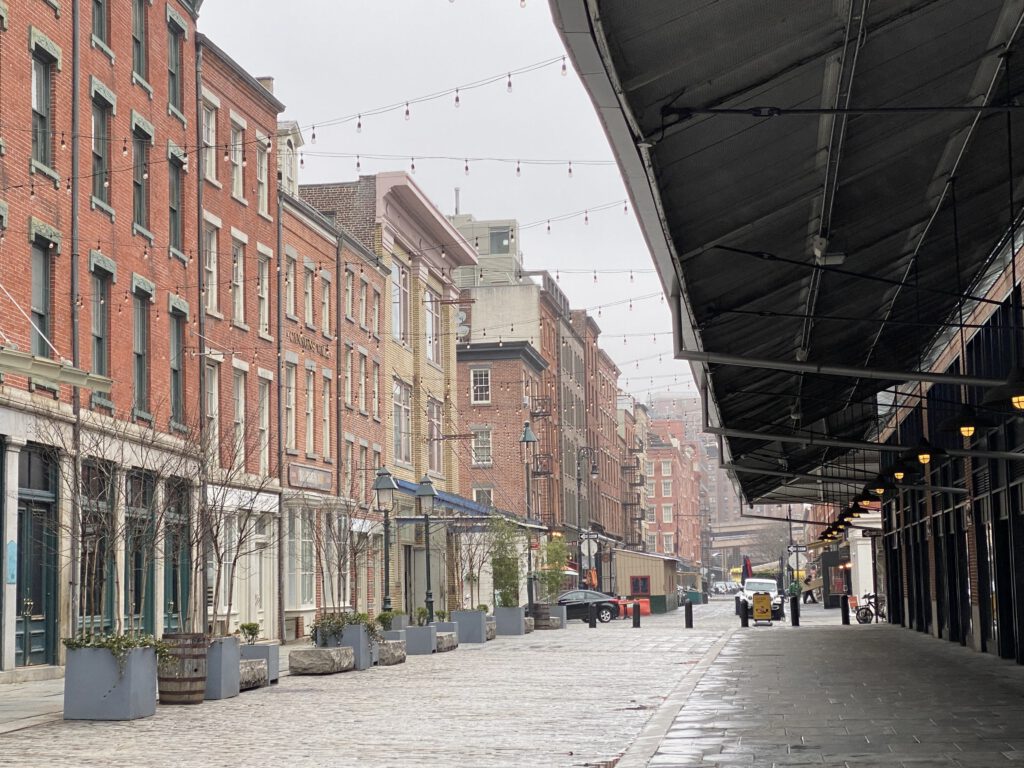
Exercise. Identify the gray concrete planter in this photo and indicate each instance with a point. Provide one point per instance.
(510, 621)
(447, 626)
(400, 621)
(358, 639)
(95, 688)
(420, 641)
(472, 626)
(395, 635)
(328, 641)
(223, 668)
(269, 652)
(559, 612)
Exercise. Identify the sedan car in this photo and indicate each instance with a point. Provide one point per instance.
(753, 586)
(577, 604)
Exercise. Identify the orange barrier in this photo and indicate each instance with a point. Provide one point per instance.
(645, 606)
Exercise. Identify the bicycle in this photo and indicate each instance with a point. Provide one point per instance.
(871, 607)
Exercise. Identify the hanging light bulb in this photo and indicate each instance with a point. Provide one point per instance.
(549, 226)
(302, 160)
(595, 275)
(412, 164)
(106, 181)
(63, 144)
(359, 165)
(586, 217)
(124, 148)
(467, 166)
(570, 169)
(519, 170)
(458, 102)
(312, 138)
(898, 473)
(407, 113)
(245, 161)
(522, 3)
(145, 171)
(508, 85)
(631, 275)
(32, 189)
(359, 124)
(68, 187)
(226, 155)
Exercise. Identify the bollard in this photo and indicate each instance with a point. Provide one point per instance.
(737, 605)
(794, 610)
(636, 615)
(592, 615)
(844, 606)
(688, 607)
(744, 615)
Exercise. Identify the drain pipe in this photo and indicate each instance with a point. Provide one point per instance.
(76, 392)
(204, 579)
(280, 424)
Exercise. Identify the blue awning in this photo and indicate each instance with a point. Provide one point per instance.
(467, 506)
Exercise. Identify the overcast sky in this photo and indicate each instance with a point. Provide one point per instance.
(335, 59)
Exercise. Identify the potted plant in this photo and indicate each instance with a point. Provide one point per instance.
(326, 630)
(556, 558)
(422, 638)
(251, 650)
(508, 613)
(363, 636)
(472, 625)
(111, 677)
(443, 625)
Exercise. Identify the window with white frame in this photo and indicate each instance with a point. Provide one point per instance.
(652, 542)
(213, 405)
(210, 268)
(300, 559)
(650, 486)
(363, 288)
(264, 426)
(289, 286)
(209, 141)
(263, 292)
(399, 302)
(325, 306)
(402, 422)
(667, 543)
(376, 390)
(648, 468)
(289, 406)
(237, 149)
(484, 496)
(349, 281)
(310, 394)
(348, 376)
(666, 469)
(376, 313)
(364, 472)
(361, 385)
(239, 421)
(434, 435)
(666, 487)
(482, 447)
(666, 513)
(480, 379)
(652, 515)
(307, 295)
(432, 321)
(325, 417)
(262, 162)
(238, 281)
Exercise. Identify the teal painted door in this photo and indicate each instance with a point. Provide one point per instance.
(177, 565)
(36, 626)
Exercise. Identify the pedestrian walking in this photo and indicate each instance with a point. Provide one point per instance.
(808, 592)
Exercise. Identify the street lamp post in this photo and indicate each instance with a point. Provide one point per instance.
(528, 440)
(426, 494)
(384, 489)
(588, 452)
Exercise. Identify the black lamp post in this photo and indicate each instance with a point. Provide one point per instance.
(384, 489)
(585, 451)
(426, 494)
(528, 440)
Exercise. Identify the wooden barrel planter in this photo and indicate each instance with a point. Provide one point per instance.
(181, 678)
(541, 612)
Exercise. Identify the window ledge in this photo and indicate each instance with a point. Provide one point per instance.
(266, 216)
(173, 252)
(175, 112)
(99, 401)
(363, 412)
(329, 336)
(140, 415)
(36, 167)
(96, 204)
(138, 229)
(328, 460)
(436, 366)
(97, 43)
(266, 336)
(482, 464)
(310, 327)
(377, 419)
(291, 452)
(290, 316)
(214, 313)
(479, 402)
(177, 426)
(240, 324)
(238, 199)
(140, 81)
(403, 464)
(212, 181)
(313, 456)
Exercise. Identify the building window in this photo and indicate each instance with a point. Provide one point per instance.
(101, 323)
(362, 303)
(263, 292)
(376, 390)
(361, 386)
(177, 360)
(348, 376)
(325, 417)
(666, 487)
(213, 407)
(209, 141)
(140, 351)
(289, 286)
(325, 306)
(652, 542)
(666, 469)
(262, 161)
(376, 313)
(307, 295)
(264, 426)
(140, 180)
(481, 386)
(434, 435)
(210, 270)
(349, 487)
(300, 559)
(99, 20)
(42, 118)
(666, 513)
(402, 397)
(484, 496)
(499, 240)
(238, 435)
(649, 468)
(238, 281)
(289, 406)
(364, 471)
(482, 447)
(101, 151)
(237, 145)
(175, 85)
(349, 278)
(175, 225)
(400, 302)
(667, 543)
(639, 585)
(139, 57)
(432, 331)
(652, 515)
(310, 394)
(650, 486)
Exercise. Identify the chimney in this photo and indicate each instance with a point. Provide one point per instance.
(266, 82)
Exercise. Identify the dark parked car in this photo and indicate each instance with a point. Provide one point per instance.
(576, 604)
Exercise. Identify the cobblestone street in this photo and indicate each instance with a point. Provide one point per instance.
(558, 698)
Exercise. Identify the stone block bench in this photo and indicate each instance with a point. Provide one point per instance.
(447, 641)
(320, 661)
(528, 624)
(492, 629)
(391, 652)
(253, 673)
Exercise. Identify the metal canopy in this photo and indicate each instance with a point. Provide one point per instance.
(823, 237)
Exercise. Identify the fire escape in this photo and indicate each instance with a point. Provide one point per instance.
(543, 463)
(633, 479)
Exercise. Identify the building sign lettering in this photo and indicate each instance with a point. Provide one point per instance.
(301, 476)
(309, 343)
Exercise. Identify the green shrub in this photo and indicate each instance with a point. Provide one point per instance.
(441, 615)
(250, 632)
(422, 615)
(384, 619)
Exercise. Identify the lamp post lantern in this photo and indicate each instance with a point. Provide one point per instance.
(426, 494)
(528, 440)
(591, 453)
(384, 490)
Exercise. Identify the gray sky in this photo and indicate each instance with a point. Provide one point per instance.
(333, 59)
